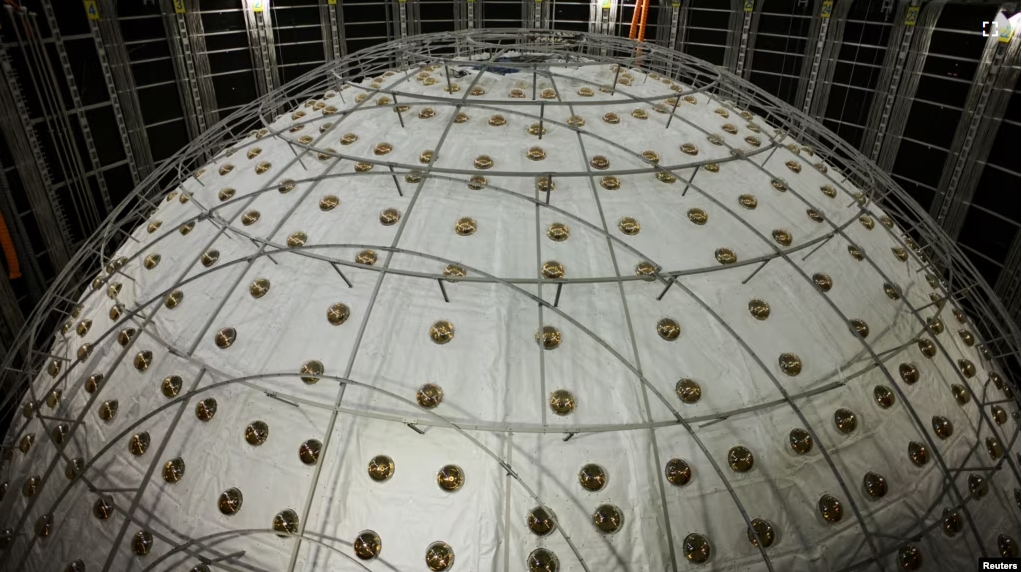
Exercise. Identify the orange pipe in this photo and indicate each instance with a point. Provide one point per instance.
(635, 19)
(13, 268)
(642, 24)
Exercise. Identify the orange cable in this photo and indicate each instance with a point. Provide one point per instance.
(13, 269)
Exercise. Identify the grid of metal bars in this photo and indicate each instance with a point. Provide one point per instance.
(961, 285)
(221, 58)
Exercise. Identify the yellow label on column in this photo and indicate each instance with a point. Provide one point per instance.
(605, 5)
(1006, 31)
(257, 5)
(827, 8)
(179, 6)
(911, 15)
(747, 5)
(331, 2)
(91, 11)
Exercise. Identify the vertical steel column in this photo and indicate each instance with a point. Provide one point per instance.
(734, 28)
(678, 23)
(746, 36)
(533, 10)
(260, 42)
(76, 101)
(814, 53)
(11, 315)
(610, 9)
(1007, 287)
(328, 29)
(816, 99)
(337, 22)
(982, 115)
(663, 23)
(906, 52)
(402, 18)
(30, 271)
(21, 139)
(470, 14)
(182, 57)
(197, 39)
(113, 62)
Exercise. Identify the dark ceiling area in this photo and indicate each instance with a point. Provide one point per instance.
(93, 105)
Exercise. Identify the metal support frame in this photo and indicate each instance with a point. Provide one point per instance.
(403, 28)
(602, 16)
(120, 84)
(183, 59)
(337, 23)
(808, 76)
(746, 38)
(734, 30)
(677, 26)
(421, 50)
(76, 101)
(984, 110)
(329, 30)
(27, 154)
(535, 13)
(11, 315)
(30, 270)
(200, 59)
(1007, 286)
(260, 42)
(470, 15)
(896, 88)
(818, 94)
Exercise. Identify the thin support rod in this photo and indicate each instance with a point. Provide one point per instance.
(397, 184)
(443, 290)
(341, 274)
(673, 110)
(756, 271)
(817, 247)
(670, 283)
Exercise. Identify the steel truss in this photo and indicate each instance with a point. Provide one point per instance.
(961, 284)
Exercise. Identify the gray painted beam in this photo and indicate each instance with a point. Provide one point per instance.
(984, 110)
(898, 82)
(200, 59)
(812, 59)
(114, 64)
(329, 30)
(30, 270)
(27, 154)
(76, 102)
(337, 13)
(184, 67)
(746, 36)
(260, 43)
(1007, 287)
(816, 103)
(734, 36)
(676, 27)
(11, 315)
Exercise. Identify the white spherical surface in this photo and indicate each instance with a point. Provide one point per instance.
(366, 328)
